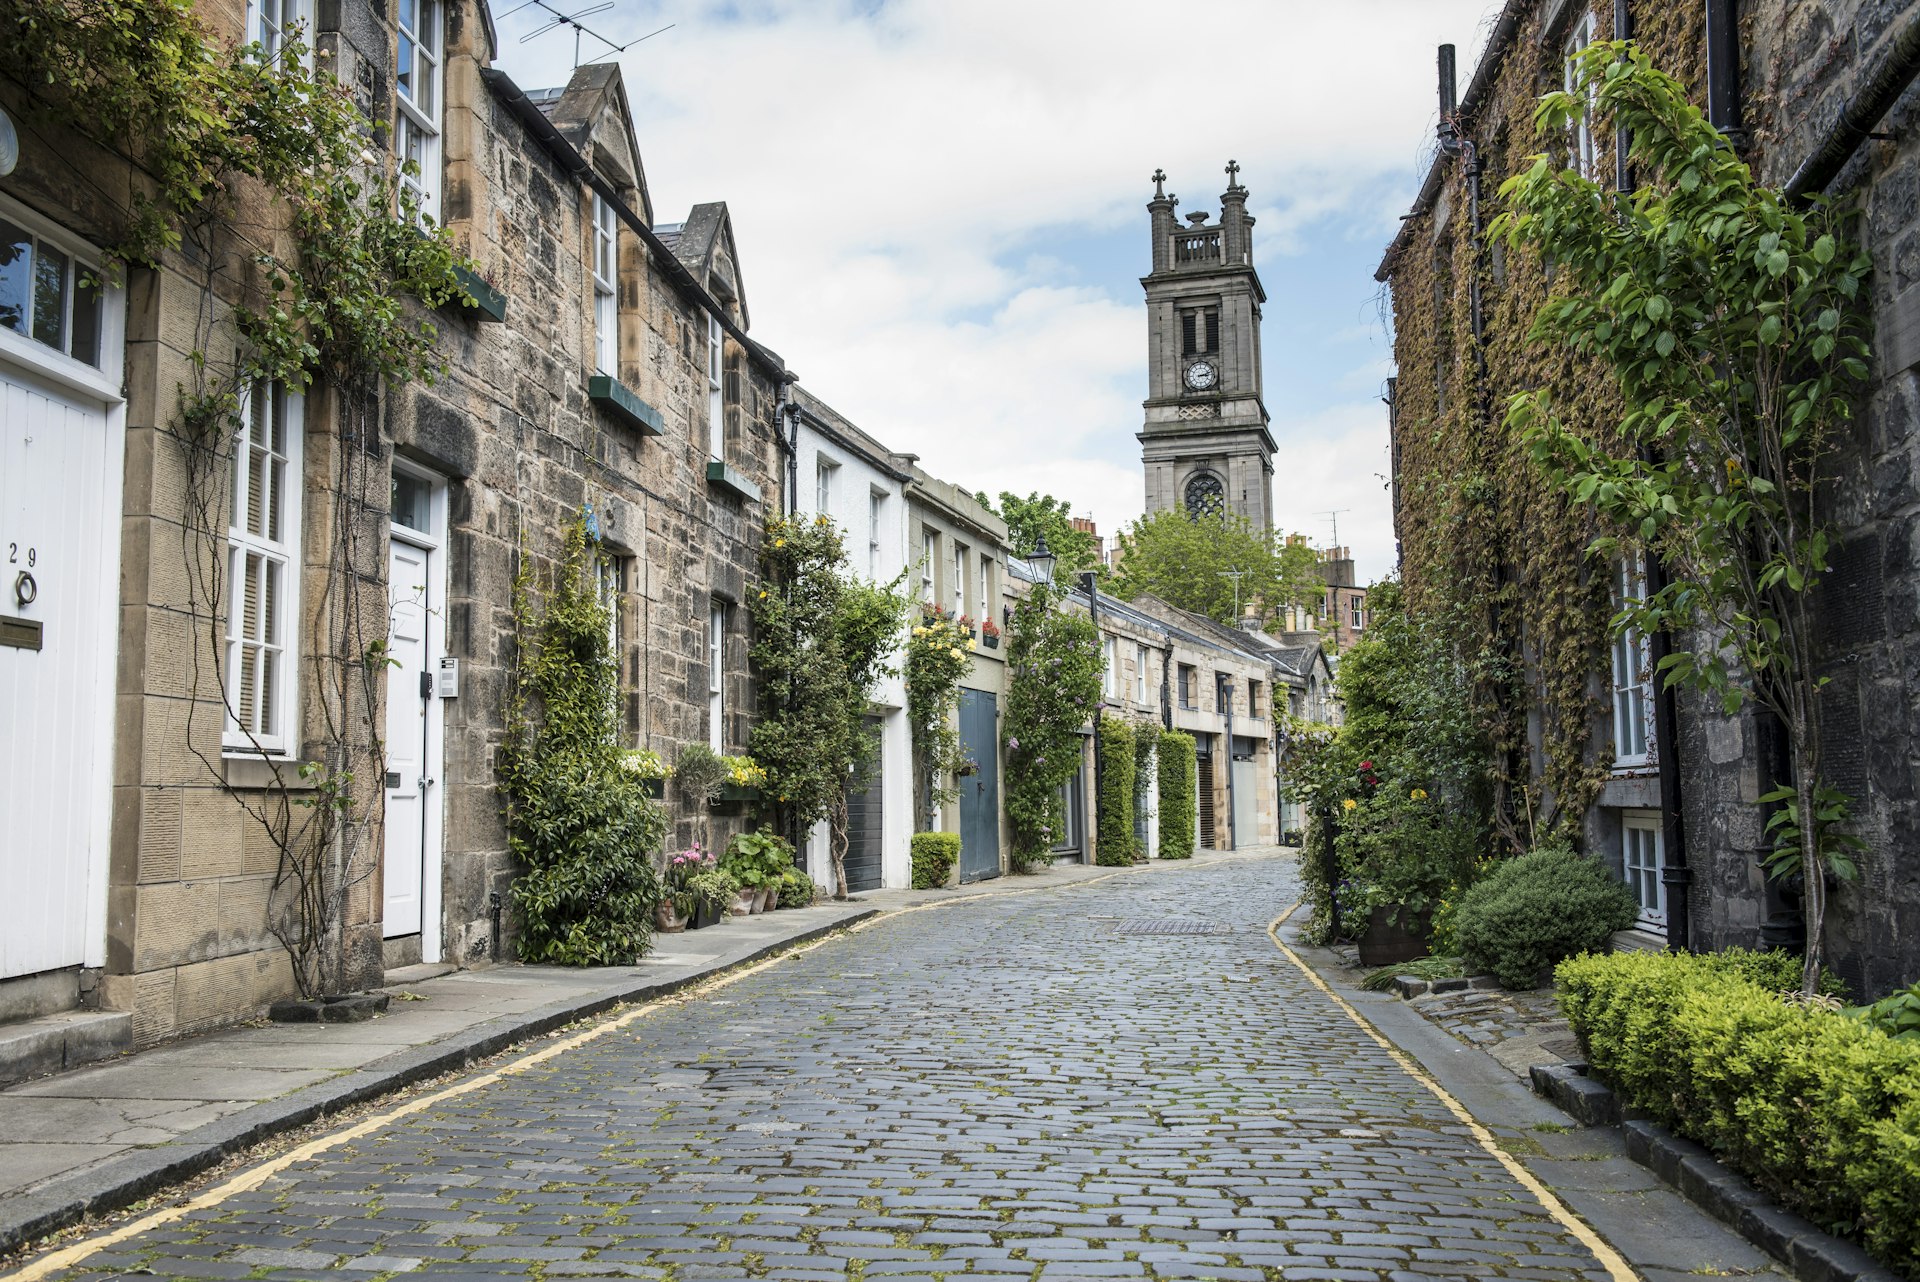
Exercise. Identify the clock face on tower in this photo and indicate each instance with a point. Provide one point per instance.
(1201, 375)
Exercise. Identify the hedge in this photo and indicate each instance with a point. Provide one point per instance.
(934, 854)
(1177, 792)
(1819, 1109)
(1113, 839)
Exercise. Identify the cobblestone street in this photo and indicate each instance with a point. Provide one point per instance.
(1124, 1079)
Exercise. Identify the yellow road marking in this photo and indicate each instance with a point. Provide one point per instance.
(1617, 1268)
(68, 1256)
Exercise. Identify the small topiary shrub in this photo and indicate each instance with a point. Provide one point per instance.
(934, 854)
(796, 889)
(1821, 1109)
(1533, 911)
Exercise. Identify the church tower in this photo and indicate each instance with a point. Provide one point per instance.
(1205, 442)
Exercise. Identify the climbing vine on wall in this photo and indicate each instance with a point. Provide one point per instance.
(263, 164)
(578, 820)
(1493, 550)
(1053, 687)
(939, 653)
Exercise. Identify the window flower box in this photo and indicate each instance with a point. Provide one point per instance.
(488, 305)
(613, 396)
(722, 477)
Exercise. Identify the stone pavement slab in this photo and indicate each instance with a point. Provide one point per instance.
(102, 1136)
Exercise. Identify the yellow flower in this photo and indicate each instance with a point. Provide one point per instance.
(955, 652)
(1349, 804)
(779, 543)
(1418, 794)
(763, 594)
(971, 643)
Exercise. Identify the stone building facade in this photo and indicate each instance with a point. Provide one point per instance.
(957, 557)
(844, 473)
(606, 375)
(1798, 88)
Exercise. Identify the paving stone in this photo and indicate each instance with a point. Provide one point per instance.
(996, 1090)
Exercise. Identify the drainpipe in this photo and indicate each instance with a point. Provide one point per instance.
(1092, 585)
(1226, 707)
(789, 443)
(1723, 71)
(1622, 138)
(1166, 686)
(1863, 111)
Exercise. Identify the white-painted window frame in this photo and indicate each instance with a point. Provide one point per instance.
(876, 509)
(1139, 673)
(606, 288)
(823, 470)
(959, 582)
(268, 564)
(1109, 666)
(716, 675)
(928, 549)
(1628, 659)
(1582, 149)
(271, 22)
(716, 393)
(1642, 859)
(416, 133)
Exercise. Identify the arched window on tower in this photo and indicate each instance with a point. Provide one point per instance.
(1205, 495)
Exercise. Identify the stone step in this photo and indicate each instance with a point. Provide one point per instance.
(418, 973)
(55, 1043)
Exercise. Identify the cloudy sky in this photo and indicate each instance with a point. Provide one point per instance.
(940, 209)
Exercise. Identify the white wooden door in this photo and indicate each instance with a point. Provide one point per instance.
(61, 457)
(409, 702)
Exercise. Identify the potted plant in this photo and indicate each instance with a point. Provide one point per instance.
(744, 779)
(1398, 855)
(712, 892)
(757, 860)
(990, 634)
(680, 903)
(796, 889)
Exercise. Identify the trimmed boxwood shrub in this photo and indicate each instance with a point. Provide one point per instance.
(1113, 840)
(1821, 1110)
(934, 854)
(1177, 785)
(1531, 912)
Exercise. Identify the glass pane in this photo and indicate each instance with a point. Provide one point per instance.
(425, 84)
(410, 14)
(250, 597)
(412, 503)
(245, 684)
(86, 322)
(16, 266)
(269, 692)
(50, 297)
(270, 621)
(403, 78)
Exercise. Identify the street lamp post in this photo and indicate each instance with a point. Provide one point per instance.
(1090, 583)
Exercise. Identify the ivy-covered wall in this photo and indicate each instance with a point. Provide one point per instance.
(1490, 547)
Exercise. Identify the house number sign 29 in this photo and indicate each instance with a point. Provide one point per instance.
(13, 554)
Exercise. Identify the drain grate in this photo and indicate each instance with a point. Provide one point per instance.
(1170, 926)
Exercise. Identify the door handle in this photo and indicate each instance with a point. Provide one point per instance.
(425, 784)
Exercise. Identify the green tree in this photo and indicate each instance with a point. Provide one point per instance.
(1734, 326)
(1030, 517)
(1191, 560)
(1053, 687)
(822, 638)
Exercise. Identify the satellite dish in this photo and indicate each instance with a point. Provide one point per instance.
(9, 145)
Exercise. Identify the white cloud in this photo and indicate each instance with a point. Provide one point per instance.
(910, 181)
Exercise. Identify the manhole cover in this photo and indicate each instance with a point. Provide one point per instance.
(1171, 926)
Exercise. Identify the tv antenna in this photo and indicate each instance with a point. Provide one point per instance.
(557, 18)
(1334, 516)
(1236, 576)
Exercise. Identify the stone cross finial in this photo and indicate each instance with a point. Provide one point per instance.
(1159, 179)
(1233, 175)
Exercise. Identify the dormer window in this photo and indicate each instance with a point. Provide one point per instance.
(606, 288)
(416, 83)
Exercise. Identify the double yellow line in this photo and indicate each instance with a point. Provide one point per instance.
(1617, 1268)
(69, 1256)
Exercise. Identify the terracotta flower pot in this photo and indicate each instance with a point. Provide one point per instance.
(666, 920)
(745, 902)
(769, 898)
